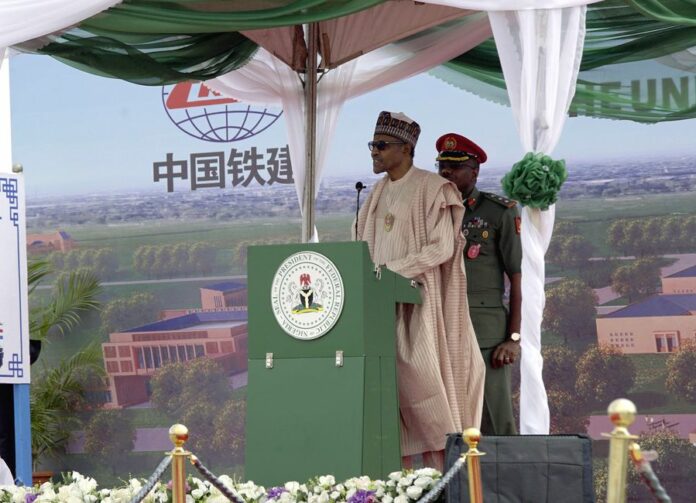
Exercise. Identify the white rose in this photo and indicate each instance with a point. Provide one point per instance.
(198, 493)
(292, 486)
(428, 472)
(120, 495)
(47, 493)
(387, 499)
(87, 485)
(401, 499)
(63, 493)
(327, 480)
(19, 495)
(334, 495)
(423, 482)
(395, 476)
(414, 492)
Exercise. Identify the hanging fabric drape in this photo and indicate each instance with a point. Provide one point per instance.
(29, 19)
(510, 5)
(5, 116)
(540, 53)
(634, 67)
(152, 60)
(268, 81)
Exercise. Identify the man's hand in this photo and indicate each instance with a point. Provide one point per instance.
(505, 354)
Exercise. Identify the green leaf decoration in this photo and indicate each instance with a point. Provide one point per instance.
(535, 180)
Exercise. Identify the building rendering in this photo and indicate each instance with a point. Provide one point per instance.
(50, 242)
(658, 324)
(217, 330)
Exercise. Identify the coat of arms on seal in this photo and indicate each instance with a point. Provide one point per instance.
(307, 295)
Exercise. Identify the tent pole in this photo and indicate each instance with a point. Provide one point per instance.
(308, 222)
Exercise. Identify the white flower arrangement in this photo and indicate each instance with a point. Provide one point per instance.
(401, 487)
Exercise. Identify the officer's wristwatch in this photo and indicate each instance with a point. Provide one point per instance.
(515, 337)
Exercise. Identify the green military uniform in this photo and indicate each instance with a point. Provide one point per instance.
(491, 226)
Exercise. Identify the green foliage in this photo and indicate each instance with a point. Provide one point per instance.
(229, 426)
(570, 311)
(637, 279)
(568, 414)
(73, 296)
(198, 393)
(600, 476)
(535, 180)
(653, 235)
(57, 393)
(129, 312)
(167, 260)
(103, 262)
(597, 273)
(559, 367)
(569, 251)
(167, 385)
(604, 374)
(177, 387)
(681, 372)
(675, 465)
(110, 435)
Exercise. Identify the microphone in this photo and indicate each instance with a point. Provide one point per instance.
(358, 186)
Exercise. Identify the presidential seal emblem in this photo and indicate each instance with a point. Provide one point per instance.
(307, 295)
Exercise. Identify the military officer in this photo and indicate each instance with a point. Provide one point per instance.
(492, 228)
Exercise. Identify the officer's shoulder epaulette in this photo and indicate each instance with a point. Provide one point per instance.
(503, 201)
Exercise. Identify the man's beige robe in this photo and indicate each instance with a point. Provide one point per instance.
(440, 368)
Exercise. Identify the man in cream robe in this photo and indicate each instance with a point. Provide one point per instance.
(411, 222)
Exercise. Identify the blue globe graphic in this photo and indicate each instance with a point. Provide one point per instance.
(223, 123)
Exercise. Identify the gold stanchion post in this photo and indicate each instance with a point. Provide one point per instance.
(179, 434)
(472, 436)
(622, 413)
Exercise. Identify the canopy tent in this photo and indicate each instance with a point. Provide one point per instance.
(539, 44)
(634, 67)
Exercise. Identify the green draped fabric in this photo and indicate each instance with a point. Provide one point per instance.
(156, 42)
(214, 16)
(636, 62)
(622, 74)
(153, 60)
(670, 11)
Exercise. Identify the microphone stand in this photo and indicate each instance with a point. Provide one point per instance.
(358, 186)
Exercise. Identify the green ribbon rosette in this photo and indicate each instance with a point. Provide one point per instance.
(535, 180)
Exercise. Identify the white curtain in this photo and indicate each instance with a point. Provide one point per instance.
(22, 20)
(510, 5)
(5, 121)
(268, 81)
(540, 52)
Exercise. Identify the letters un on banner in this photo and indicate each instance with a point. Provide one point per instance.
(14, 310)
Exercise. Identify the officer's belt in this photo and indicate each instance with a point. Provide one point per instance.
(485, 299)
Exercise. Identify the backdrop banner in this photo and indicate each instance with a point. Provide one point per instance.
(14, 320)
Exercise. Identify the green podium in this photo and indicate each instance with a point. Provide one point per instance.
(322, 391)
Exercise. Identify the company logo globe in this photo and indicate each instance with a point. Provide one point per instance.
(208, 116)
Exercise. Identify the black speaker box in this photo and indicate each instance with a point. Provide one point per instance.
(526, 469)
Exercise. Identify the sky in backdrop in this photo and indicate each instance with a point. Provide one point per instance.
(78, 133)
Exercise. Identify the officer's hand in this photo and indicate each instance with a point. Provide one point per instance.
(505, 354)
